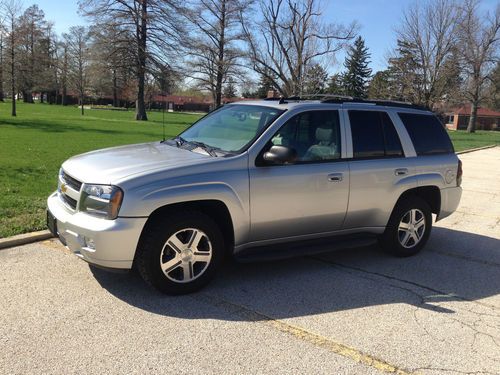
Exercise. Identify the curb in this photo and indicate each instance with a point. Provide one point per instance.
(23, 239)
(475, 149)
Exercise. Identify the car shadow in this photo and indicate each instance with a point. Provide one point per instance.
(455, 266)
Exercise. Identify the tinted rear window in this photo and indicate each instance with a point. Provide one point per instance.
(427, 134)
(373, 135)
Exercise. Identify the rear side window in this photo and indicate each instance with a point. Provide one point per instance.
(428, 135)
(373, 135)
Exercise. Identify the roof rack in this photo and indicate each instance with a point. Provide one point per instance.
(342, 99)
(381, 102)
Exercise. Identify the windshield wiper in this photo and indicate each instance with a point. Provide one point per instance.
(179, 141)
(209, 149)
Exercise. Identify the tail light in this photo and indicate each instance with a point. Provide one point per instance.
(460, 172)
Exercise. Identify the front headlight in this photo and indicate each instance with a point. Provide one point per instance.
(101, 200)
(59, 177)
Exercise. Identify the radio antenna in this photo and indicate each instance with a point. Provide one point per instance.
(163, 119)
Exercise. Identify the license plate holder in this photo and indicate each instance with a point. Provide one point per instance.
(52, 223)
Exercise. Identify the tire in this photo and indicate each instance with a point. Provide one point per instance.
(404, 235)
(181, 253)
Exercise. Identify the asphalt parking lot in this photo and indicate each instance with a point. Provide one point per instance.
(349, 312)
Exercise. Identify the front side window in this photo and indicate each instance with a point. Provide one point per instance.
(231, 128)
(373, 135)
(314, 135)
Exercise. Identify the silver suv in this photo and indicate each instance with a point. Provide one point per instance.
(259, 179)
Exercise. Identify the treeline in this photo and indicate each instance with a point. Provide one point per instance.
(135, 50)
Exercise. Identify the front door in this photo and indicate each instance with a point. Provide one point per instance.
(308, 196)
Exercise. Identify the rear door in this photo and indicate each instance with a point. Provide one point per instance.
(379, 171)
(306, 197)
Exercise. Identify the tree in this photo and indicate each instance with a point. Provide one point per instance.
(212, 45)
(11, 10)
(63, 68)
(30, 30)
(77, 42)
(316, 79)
(336, 85)
(110, 61)
(1, 62)
(479, 40)
(357, 71)
(156, 29)
(230, 89)
(404, 73)
(265, 85)
(291, 37)
(430, 30)
(493, 89)
(380, 86)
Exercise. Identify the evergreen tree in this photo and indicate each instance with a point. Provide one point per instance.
(265, 85)
(229, 89)
(315, 80)
(380, 86)
(493, 90)
(405, 74)
(335, 85)
(358, 72)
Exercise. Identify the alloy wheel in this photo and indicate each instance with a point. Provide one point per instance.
(186, 255)
(411, 228)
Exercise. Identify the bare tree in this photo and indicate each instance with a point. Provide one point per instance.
(156, 28)
(111, 54)
(479, 38)
(214, 56)
(1, 60)
(11, 10)
(77, 42)
(29, 32)
(289, 39)
(431, 30)
(63, 70)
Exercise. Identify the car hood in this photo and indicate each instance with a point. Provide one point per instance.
(110, 165)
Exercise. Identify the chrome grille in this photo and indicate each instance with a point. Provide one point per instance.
(69, 201)
(72, 182)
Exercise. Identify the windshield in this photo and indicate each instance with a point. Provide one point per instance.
(231, 128)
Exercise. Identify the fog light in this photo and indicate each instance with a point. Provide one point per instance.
(89, 243)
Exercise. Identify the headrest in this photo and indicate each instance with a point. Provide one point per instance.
(324, 135)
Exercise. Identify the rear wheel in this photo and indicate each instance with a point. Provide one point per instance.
(180, 254)
(409, 227)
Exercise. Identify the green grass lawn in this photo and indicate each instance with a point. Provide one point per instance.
(465, 141)
(35, 143)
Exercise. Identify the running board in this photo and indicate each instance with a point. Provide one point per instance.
(303, 248)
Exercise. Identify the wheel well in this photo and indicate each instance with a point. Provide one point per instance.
(430, 194)
(217, 210)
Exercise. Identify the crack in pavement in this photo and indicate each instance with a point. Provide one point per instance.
(465, 257)
(303, 335)
(425, 287)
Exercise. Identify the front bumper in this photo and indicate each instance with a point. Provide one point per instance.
(450, 199)
(105, 243)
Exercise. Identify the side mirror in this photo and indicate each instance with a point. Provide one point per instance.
(280, 155)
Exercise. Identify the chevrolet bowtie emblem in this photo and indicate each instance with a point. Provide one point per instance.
(64, 187)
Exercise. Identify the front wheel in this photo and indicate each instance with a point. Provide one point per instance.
(180, 254)
(408, 229)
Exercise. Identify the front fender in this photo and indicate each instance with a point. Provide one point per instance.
(236, 203)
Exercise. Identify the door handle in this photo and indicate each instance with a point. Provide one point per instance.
(401, 171)
(335, 177)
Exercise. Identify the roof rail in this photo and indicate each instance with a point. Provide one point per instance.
(381, 102)
(342, 99)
